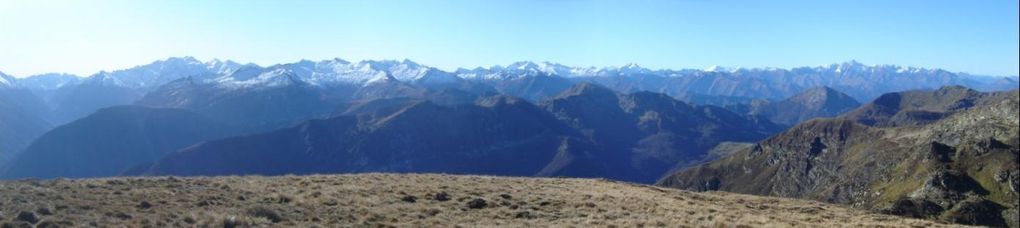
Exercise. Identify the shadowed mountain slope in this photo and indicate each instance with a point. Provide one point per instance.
(22, 119)
(812, 103)
(587, 131)
(498, 135)
(111, 141)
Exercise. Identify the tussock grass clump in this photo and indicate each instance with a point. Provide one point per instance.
(477, 204)
(265, 212)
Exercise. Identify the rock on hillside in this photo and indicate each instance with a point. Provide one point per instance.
(961, 167)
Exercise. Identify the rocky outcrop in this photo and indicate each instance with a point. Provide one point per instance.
(960, 167)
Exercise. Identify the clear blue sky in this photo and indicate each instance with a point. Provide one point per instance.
(83, 37)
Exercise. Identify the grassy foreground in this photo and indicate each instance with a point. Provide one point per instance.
(403, 200)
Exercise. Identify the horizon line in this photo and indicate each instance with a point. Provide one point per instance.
(729, 68)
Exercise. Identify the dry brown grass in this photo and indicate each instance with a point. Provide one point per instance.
(407, 200)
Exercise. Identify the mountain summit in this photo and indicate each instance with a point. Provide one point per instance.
(811, 103)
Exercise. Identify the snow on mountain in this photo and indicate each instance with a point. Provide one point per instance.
(512, 71)
(6, 80)
(526, 68)
(333, 72)
(339, 72)
(220, 67)
(434, 76)
(720, 69)
(162, 71)
(106, 79)
(477, 73)
(629, 69)
(853, 67)
(380, 77)
(139, 77)
(256, 77)
(403, 70)
(49, 81)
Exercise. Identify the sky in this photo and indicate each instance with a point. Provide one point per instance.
(84, 36)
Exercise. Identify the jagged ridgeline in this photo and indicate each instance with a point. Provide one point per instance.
(272, 97)
(948, 154)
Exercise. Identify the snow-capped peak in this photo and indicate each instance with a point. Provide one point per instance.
(6, 80)
(719, 69)
(220, 67)
(334, 72)
(405, 70)
(380, 77)
(523, 65)
(852, 65)
(255, 77)
(105, 78)
(48, 81)
(630, 66)
(162, 71)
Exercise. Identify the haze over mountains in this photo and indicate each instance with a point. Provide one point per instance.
(23, 116)
(112, 141)
(633, 137)
(260, 99)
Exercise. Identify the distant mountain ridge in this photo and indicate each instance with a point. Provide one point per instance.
(648, 134)
(533, 81)
(860, 81)
(812, 103)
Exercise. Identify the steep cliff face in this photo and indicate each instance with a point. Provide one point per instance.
(961, 167)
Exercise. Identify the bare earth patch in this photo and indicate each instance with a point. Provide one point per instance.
(404, 200)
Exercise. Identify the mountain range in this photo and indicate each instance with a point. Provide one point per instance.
(926, 143)
(530, 80)
(266, 98)
(273, 97)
